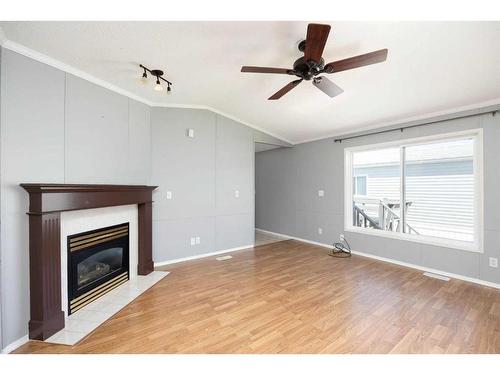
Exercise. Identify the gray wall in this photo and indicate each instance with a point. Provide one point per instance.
(56, 127)
(287, 183)
(202, 173)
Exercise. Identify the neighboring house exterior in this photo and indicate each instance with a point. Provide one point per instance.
(441, 192)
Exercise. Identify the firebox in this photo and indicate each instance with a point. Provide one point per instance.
(98, 262)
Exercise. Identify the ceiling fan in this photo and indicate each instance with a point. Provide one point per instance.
(312, 64)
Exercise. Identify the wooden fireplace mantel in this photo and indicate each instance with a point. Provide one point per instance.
(46, 202)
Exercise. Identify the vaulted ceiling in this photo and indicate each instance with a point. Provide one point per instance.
(431, 67)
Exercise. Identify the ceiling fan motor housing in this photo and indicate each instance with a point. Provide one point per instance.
(308, 69)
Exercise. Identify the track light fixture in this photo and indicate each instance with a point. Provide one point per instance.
(158, 74)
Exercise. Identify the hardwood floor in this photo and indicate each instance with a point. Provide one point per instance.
(290, 297)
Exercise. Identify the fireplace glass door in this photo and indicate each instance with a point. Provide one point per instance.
(98, 262)
(97, 266)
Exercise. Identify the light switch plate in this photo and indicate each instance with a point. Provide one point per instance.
(193, 241)
(493, 262)
(236, 193)
(321, 193)
(169, 195)
(197, 240)
(190, 133)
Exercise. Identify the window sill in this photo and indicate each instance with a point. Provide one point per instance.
(452, 244)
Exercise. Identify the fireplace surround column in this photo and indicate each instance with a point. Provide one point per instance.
(46, 202)
(47, 316)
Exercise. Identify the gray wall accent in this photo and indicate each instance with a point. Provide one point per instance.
(139, 142)
(56, 127)
(287, 183)
(32, 147)
(202, 173)
(107, 136)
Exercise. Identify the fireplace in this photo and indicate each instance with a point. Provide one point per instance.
(98, 262)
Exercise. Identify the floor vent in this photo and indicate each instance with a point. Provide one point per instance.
(225, 257)
(436, 276)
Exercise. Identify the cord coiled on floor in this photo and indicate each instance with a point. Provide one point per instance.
(341, 249)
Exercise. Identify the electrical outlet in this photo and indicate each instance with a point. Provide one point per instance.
(169, 195)
(193, 241)
(197, 240)
(236, 193)
(321, 193)
(341, 237)
(493, 262)
(320, 230)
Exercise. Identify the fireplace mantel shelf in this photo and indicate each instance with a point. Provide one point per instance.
(46, 202)
(46, 198)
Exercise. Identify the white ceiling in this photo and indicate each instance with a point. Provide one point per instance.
(432, 67)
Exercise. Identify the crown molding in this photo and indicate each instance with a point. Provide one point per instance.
(40, 57)
(45, 59)
(30, 53)
(222, 113)
(450, 113)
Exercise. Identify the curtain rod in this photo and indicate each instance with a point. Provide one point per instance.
(401, 129)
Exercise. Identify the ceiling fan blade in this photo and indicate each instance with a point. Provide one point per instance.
(284, 90)
(357, 61)
(327, 86)
(261, 69)
(315, 42)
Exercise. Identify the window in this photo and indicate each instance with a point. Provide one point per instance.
(359, 185)
(426, 190)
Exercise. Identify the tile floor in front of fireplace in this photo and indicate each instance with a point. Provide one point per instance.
(84, 321)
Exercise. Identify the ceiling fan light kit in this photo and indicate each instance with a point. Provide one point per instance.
(159, 77)
(312, 64)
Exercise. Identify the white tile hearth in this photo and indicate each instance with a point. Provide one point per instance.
(84, 321)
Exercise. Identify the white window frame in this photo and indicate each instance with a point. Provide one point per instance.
(477, 245)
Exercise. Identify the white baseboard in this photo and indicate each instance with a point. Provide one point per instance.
(273, 233)
(205, 255)
(14, 345)
(393, 261)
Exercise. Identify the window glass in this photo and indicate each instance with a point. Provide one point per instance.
(425, 190)
(439, 189)
(376, 190)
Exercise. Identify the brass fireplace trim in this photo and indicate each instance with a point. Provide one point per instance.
(94, 294)
(89, 240)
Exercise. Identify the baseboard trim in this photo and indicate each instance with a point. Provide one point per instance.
(14, 345)
(393, 261)
(205, 255)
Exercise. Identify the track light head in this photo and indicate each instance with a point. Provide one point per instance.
(158, 86)
(169, 89)
(144, 78)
